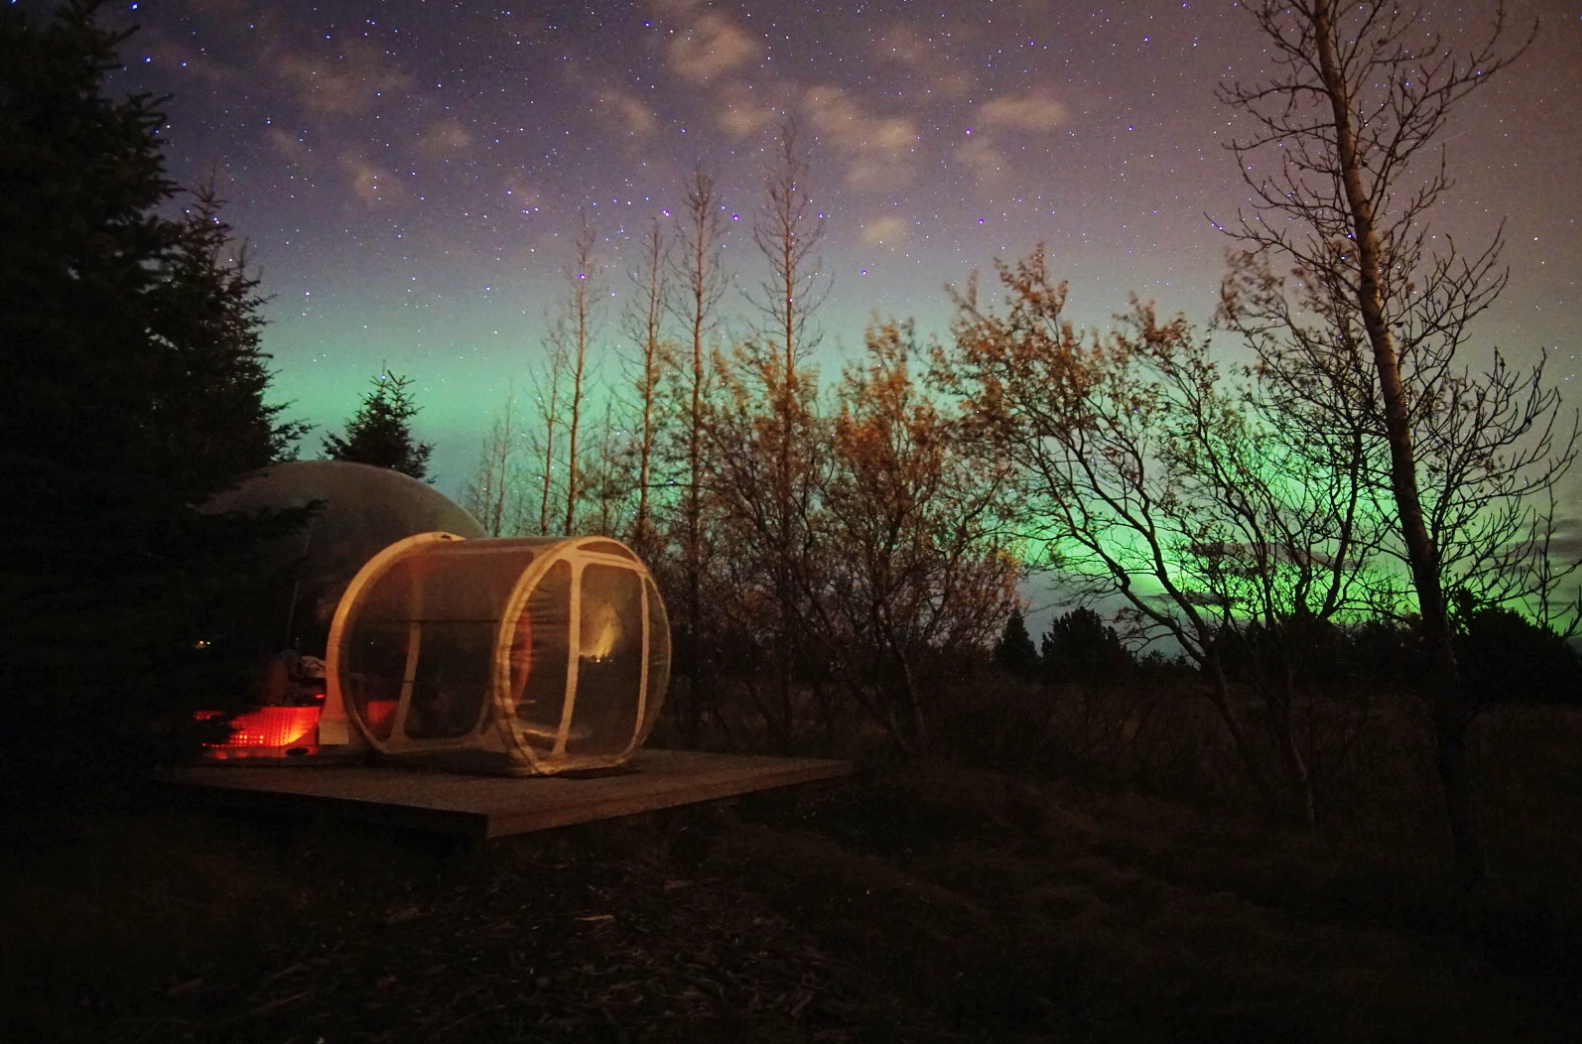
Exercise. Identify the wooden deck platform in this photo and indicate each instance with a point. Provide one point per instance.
(481, 807)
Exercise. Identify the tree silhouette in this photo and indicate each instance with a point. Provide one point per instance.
(132, 389)
(495, 495)
(1156, 481)
(1357, 99)
(548, 389)
(919, 567)
(584, 287)
(1080, 646)
(1015, 652)
(380, 432)
(766, 432)
(1505, 656)
(644, 325)
(699, 282)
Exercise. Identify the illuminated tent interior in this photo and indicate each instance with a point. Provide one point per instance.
(392, 623)
(523, 656)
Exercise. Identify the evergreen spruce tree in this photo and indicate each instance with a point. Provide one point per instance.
(131, 391)
(1079, 646)
(1015, 650)
(380, 432)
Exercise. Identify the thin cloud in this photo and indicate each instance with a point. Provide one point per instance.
(523, 195)
(348, 85)
(1032, 112)
(373, 185)
(291, 147)
(444, 137)
(888, 230)
(880, 150)
(920, 55)
(1565, 543)
(742, 110)
(712, 46)
(623, 110)
(988, 164)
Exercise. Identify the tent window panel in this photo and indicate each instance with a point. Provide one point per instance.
(399, 594)
(609, 547)
(610, 664)
(378, 643)
(658, 653)
(539, 656)
(375, 668)
(451, 683)
(472, 579)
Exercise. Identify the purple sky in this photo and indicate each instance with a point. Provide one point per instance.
(408, 174)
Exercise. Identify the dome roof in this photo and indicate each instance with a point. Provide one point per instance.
(364, 510)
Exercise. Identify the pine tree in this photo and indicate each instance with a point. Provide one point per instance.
(1079, 646)
(1015, 650)
(380, 432)
(132, 390)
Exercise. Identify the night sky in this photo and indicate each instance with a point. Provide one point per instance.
(408, 174)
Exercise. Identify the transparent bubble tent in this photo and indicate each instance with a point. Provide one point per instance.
(395, 624)
(523, 656)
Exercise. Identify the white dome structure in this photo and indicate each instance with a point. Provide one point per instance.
(362, 510)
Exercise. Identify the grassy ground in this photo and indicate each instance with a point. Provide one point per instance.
(910, 904)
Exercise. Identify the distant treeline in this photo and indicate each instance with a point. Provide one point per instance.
(1507, 656)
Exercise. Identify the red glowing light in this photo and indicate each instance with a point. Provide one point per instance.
(270, 727)
(377, 712)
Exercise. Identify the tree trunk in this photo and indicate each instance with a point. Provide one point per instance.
(1450, 711)
(694, 552)
(1303, 805)
(703, 286)
(1219, 695)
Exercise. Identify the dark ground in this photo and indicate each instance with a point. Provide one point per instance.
(905, 905)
